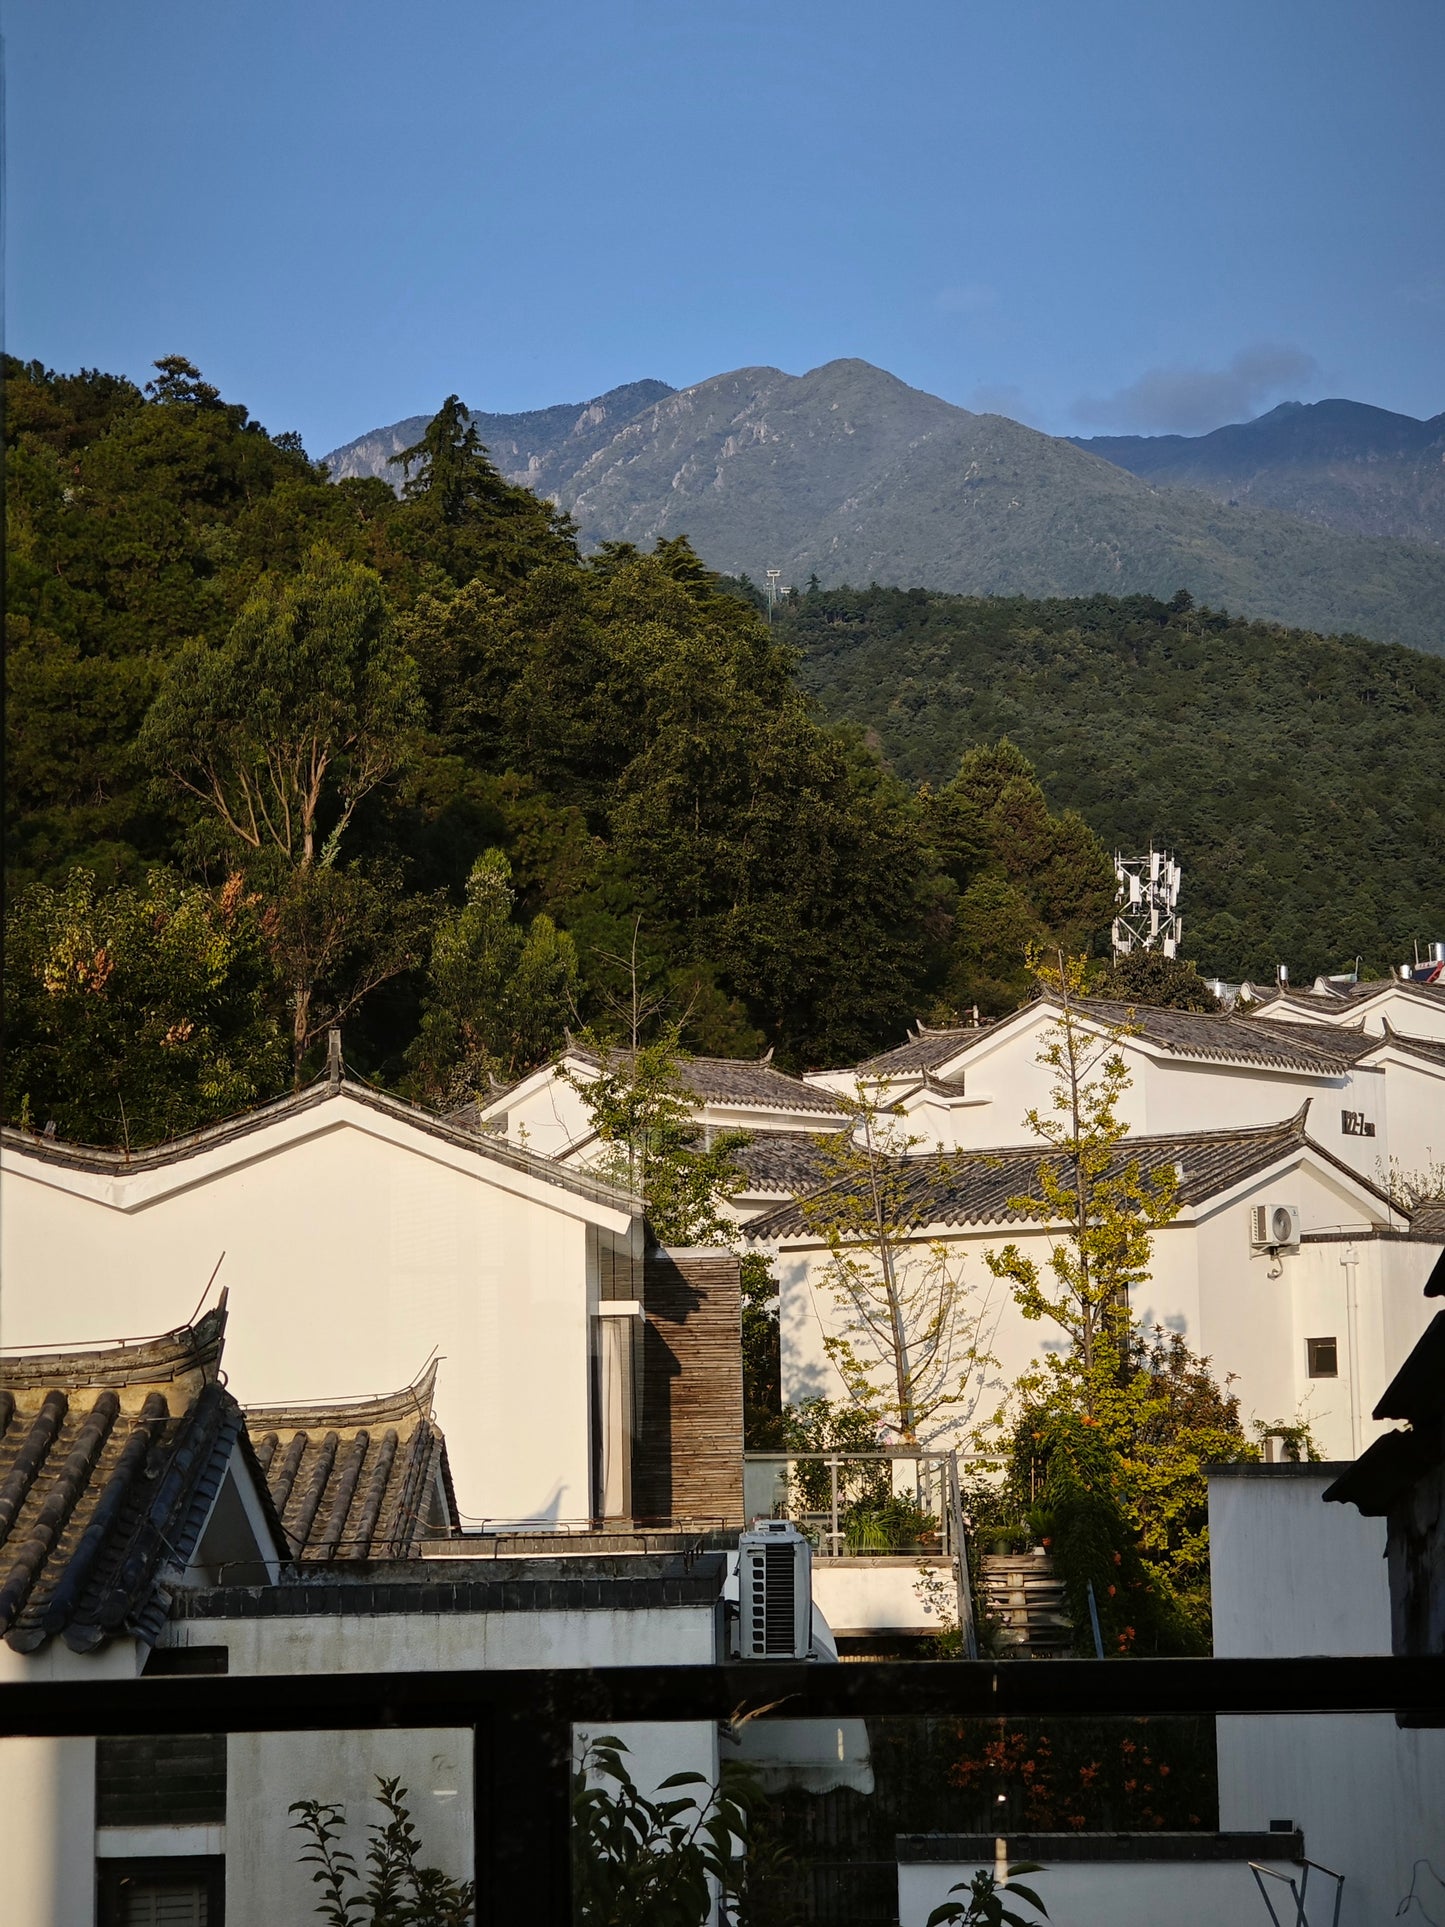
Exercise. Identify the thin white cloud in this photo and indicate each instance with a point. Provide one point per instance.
(1191, 401)
(974, 297)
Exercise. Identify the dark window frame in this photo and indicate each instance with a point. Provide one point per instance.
(161, 1780)
(208, 1870)
(1314, 1348)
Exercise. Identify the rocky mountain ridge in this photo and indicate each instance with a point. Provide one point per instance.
(850, 474)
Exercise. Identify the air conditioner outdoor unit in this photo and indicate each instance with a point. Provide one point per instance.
(775, 1592)
(1272, 1226)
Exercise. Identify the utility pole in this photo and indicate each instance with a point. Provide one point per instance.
(774, 576)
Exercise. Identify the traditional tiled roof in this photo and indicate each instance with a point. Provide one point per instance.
(110, 1460)
(925, 1050)
(1221, 1036)
(974, 1187)
(1427, 1223)
(1431, 1050)
(111, 1161)
(360, 1479)
(1332, 996)
(1215, 1035)
(742, 1081)
(732, 1080)
(783, 1161)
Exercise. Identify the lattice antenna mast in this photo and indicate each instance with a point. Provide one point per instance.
(1148, 916)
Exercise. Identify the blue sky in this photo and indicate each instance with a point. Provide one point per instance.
(1119, 215)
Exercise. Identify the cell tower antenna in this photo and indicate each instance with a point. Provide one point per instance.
(774, 577)
(1147, 913)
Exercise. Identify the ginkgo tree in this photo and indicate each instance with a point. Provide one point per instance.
(912, 1338)
(1100, 1205)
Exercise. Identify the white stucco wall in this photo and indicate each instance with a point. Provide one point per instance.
(1402, 1008)
(877, 1595)
(1207, 1284)
(1415, 1103)
(47, 1797)
(354, 1247)
(1003, 1081)
(267, 1771)
(1112, 1893)
(1291, 1575)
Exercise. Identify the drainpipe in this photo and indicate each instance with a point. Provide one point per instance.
(1351, 1264)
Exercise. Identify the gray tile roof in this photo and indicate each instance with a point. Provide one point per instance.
(1303, 995)
(109, 1462)
(783, 1161)
(1220, 1036)
(974, 1187)
(746, 1081)
(1430, 1050)
(359, 1479)
(925, 1050)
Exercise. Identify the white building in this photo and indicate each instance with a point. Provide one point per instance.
(545, 1112)
(1307, 1326)
(1293, 1576)
(142, 1533)
(1403, 1003)
(357, 1237)
(1375, 1084)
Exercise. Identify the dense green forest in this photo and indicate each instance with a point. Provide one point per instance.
(1297, 777)
(283, 751)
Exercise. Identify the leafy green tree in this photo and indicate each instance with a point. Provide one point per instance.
(336, 934)
(1112, 1437)
(279, 734)
(1149, 977)
(396, 1891)
(1121, 1493)
(912, 1347)
(281, 731)
(1026, 877)
(464, 515)
(497, 996)
(641, 1110)
(138, 1013)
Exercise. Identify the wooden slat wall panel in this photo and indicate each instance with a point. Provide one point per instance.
(688, 1460)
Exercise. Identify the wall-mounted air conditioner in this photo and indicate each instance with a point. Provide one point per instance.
(775, 1592)
(1273, 1226)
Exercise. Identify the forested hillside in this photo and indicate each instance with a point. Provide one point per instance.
(1297, 777)
(282, 750)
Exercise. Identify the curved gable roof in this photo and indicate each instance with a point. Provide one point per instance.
(110, 1460)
